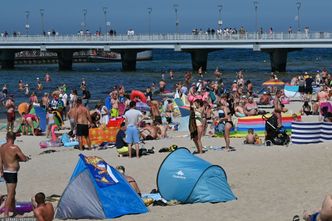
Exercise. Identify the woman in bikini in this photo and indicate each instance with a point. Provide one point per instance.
(199, 112)
(227, 121)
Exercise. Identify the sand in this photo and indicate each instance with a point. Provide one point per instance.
(271, 183)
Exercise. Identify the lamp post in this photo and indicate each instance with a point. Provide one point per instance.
(298, 6)
(85, 12)
(256, 9)
(42, 12)
(149, 22)
(27, 25)
(105, 18)
(175, 6)
(220, 7)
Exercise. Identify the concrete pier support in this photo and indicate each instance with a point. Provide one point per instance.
(199, 58)
(128, 59)
(7, 59)
(65, 60)
(278, 58)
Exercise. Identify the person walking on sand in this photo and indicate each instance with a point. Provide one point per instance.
(82, 120)
(10, 156)
(41, 210)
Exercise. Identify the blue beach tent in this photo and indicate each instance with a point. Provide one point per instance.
(97, 191)
(189, 179)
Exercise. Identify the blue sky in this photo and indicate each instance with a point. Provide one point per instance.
(66, 16)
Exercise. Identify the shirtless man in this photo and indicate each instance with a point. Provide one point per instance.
(45, 101)
(82, 120)
(10, 156)
(41, 210)
(71, 117)
(151, 132)
(251, 108)
(115, 104)
(20, 85)
(324, 214)
(10, 106)
(323, 95)
(278, 107)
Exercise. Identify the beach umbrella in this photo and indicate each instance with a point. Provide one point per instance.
(142, 106)
(273, 82)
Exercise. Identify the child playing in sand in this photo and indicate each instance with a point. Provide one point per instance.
(252, 138)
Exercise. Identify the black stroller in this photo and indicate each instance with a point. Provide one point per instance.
(274, 135)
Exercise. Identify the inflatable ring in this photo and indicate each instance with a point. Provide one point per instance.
(135, 93)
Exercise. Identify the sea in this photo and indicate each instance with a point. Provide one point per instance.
(102, 77)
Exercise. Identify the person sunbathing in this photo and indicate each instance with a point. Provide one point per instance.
(250, 108)
(265, 99)
(324, 214)
(129, 179)
(239, 110)
(150, 132)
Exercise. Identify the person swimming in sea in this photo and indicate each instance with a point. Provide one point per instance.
(47, 77)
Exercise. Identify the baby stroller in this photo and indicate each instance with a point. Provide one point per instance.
(274, 135)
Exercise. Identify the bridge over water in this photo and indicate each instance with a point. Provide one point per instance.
(277, 45)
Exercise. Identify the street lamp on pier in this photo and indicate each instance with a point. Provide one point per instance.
(149, 22)
(27, 25)
(42, 12)
(298, 6)
(85, 12)
(256, 15)
(175, 6)
(105, 9)
(220, 7)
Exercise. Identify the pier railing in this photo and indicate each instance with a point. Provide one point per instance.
(170, 37)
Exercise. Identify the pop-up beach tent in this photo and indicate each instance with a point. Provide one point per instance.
(189, 179)
(97, 191)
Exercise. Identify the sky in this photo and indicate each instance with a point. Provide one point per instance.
(66, 16)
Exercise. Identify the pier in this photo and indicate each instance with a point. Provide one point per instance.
(277, 45)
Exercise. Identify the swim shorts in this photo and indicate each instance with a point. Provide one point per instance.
(82, 130)
(10, 177)
(132, 135)
(11, 116)
(114, 113)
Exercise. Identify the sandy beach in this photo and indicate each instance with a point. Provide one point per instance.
(272, 183)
